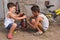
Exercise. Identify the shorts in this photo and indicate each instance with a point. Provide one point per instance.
(43, 28)
(10, 25)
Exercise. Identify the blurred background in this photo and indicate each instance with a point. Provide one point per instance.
(25, 6)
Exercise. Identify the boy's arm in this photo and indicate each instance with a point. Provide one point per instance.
(35, 27)
(36, 24)
(37, 20)
(30, 23)
(16, 17)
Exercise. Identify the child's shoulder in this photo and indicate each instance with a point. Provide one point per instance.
(10, 13)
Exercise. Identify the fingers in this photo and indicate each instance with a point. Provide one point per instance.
(25, 16)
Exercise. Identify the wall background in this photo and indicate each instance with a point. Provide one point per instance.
(25, 6)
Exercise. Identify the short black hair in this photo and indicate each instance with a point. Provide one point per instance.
(35, 8)
(10, 4)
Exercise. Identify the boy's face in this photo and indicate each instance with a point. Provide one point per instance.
(13, 9)
(34, 13)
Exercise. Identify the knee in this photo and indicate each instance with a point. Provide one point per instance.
(33, 21)
(40, 24)
(14, 24)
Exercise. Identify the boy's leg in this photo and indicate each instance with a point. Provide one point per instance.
(13, 27)
(40, 26)
(33, 22)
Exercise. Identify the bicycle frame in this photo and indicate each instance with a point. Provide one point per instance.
(57, 12)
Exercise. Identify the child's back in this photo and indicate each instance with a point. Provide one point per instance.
(45, 22)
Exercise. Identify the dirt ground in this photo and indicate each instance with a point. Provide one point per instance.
(53, 33)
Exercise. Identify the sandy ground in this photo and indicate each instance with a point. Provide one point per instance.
(53, 33)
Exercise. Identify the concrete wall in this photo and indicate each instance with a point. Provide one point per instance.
(1, 9)
(5, 7)
(25, 5)
(56, 3)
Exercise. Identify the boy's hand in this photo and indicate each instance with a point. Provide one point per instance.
(24, 16)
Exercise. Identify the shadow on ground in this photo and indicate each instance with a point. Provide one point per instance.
(53, 33)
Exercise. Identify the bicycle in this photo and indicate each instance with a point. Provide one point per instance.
(53, 16)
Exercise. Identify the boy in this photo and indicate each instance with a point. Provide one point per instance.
(10, 18)
(39, 21)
